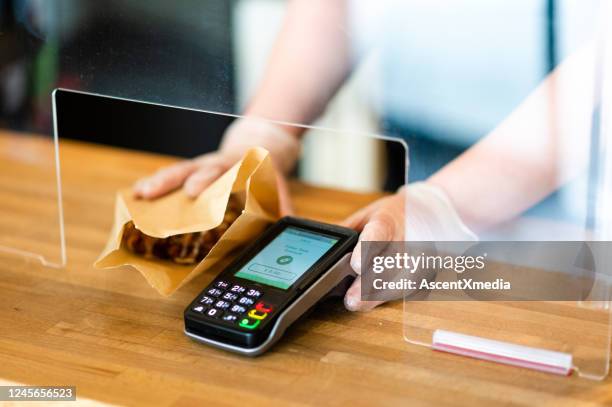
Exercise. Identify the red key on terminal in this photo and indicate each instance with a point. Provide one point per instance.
(263, 307)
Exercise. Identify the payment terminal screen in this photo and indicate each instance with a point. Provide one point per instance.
(287, 257)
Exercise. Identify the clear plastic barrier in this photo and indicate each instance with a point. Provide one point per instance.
(556, 315)
(30, 209)
(94, 176)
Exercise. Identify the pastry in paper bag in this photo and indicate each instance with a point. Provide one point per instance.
(247, 189)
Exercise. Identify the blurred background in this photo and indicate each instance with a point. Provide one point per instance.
(439, 75)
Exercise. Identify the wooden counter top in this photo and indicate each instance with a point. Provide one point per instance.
(114, 338)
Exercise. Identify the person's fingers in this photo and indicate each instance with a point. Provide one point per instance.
(284, 197)
(379, 228)
(352, 298)
(164, 180)
(202, 178)
(358, 219)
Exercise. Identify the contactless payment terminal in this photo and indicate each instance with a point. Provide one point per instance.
(239, 310)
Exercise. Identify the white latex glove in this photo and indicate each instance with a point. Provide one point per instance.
(196, 174)
(421, 210)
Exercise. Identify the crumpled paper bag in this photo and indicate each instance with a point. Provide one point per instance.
(253, 179)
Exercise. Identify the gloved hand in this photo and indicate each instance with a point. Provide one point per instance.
(196, 174)
(417, 212)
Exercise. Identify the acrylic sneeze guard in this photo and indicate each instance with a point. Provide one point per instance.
(556, 316)
(31, 218)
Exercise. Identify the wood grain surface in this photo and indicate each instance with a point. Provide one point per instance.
(110, 335)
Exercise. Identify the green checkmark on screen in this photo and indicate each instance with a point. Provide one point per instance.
(282, 260)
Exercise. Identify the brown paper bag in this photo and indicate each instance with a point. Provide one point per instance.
(253, 178)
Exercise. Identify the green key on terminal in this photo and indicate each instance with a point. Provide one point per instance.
(245, 323)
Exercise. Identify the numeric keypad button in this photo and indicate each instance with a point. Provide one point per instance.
(246, 301)
(222, 284)
(206, 300)
(238, 309)
(214, 292)
(221, 304)
(237, 289)
(230, 296)
(253, 293)
(213, 313)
